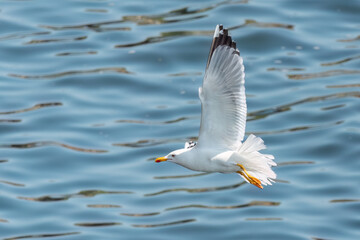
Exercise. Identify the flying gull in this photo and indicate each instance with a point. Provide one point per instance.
(223, 118)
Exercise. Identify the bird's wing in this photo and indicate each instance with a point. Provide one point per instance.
(222, 95)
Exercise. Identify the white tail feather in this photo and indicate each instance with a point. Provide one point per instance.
(257, 164)
(252, 144)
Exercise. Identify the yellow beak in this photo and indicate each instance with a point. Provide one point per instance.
(161, 159)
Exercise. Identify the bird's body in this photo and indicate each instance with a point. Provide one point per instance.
(223, 118)
(206, 160)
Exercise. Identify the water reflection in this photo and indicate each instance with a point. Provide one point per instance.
(344, 200)
(148, 142)
(182, 176)
(39, 41)
(22, 35)
(96, 10)
(158, 19)
(294, 163)
(196, 190)
(45, 235)
(183, 74)
(51, 143)
(171, 16)
(350, 39)
(97, 224)
(254, 23)
(177, 15)
(166, 36)
(250, 204)
(287, 107)
(264, 219)
(180, 119)
(316, 238)
(344, 86)
(329, 73)
(10, 120)
(340, 61)
(140, 214)
(333, 107)
(301, 128)
(285, 69)
(85, 193)
(97, 27)
(12, 183)
(35, 107)
(70, 73)
(164, 224)
(76, 53)
(103, 206)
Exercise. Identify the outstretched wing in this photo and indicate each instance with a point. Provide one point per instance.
(222, 95)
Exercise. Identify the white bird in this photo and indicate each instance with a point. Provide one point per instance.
(223, 118)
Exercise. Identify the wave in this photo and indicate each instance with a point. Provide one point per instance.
(71, 73)
(63, 197)
(172, 16)
(51, 143)
(344, 200)
(12, 183)
(97, 224)
(40, 41)
(10, 120)
(195, 190)
(340, 61)
(264, 219)
(330, 73)
(148, 142)
(164, 224)
(357, 38)
(250, 204)
(301, 128)
(166, 36)
(344, 86)
(287, 107)
(43, 235)
(140, 214)
(103, 206)
(76, 53)
(182, 176)
(35, 107)
(21, 35)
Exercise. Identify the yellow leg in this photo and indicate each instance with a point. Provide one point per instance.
(247, 176)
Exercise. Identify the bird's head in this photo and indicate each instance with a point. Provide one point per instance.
(176, 156)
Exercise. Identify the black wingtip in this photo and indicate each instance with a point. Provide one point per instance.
(233, 44)
(223, 39)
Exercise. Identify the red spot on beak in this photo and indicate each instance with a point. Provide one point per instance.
(161, 159)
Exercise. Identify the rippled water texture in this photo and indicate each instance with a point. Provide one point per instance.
(93, 90)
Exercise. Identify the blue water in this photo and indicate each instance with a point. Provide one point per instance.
(92, 91)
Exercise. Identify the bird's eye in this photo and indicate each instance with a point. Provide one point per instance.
(173, 155)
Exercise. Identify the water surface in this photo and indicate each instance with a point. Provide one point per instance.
(92, 91)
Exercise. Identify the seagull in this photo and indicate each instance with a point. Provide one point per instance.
(223, 119)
